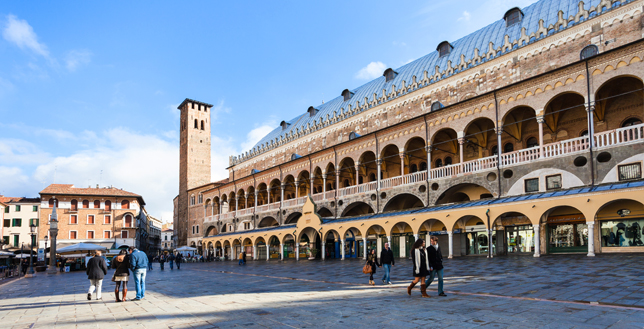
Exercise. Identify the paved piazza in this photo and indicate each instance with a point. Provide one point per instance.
(564, 291)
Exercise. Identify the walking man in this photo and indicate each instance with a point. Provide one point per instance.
(139, 266)
(387, 261)
(179, 259)
(171, 259)
(161, 261)
(436, 263)
(96, 271)
(150, 259)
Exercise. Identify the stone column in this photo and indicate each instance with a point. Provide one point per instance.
(297, 189)
(499, 146)
(297, 251)
(283, 187)
(591, 238)
(323, 249)
(281, 251)
(402, 164)
(379, 164)
(461, 141)
(451, 244)
(540, 121)
(591, 131)
(324, 185)
(364, 248)
(245, 201)
(236, 205)
(337, 181)
(537, 241)
(268, 252)
(415, 237)
(256, 197)
(429, 159)
(357, 167)
(312, 179)
(342, 248)
(268, 193)
(389, 240)
(255, 252)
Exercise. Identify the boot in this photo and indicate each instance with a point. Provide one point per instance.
(411, 286)
(373, 283)
(423, 290)
(116, 293)
(124, 293)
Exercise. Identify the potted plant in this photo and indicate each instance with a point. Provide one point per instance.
(312, 253)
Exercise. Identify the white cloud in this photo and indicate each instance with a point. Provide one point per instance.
(465, 17)
(218, 109)
(19, 32)
(371, 71)
(77, 58)
(257, 134)
(13, 178)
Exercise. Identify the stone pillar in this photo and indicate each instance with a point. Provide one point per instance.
(324, 185)
(357, 167)
(337, 182)
(499, 146)
(256, 197)
(236, 205)
(429, 159)
(311, 183)
(402, 164)
(323, 249)
(342, 248)
(297, 189)
(255, 252)
(415, 237)
(451, 244)
(540, 121)
(281, 251)
(297, 251)
(364, 248)
(461, 141)
(245, 201)
(268, 193)
(591, 132)
(389, 240)
(378, 164)
(268, 252)
(537, 240)
(591, 238)
(283, 187)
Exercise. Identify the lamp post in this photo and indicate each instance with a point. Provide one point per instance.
(46, 239)
(30, 273)
(53, 233)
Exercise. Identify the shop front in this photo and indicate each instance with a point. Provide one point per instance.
(567, 234)
(519, 239)
(477, 240)
(621, 227)
(261, 250)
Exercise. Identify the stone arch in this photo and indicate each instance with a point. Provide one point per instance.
(620, 223)
(352, 238)
(317, 180)
(304, 183)
(565, 227)
(368, 169)
(274, 249)
(309, 238)
(513, 233)
(357, 209)
(212, 230)
(332, 245)
(445, 148)
(615, 94)
(330, 177)
(463, 192)
(563, 106)
(262, 194)
(289, 187)
(479, 134)
(347, 172)
(403, 201)
(275, 191)
(293, 218)
(390, 165)
(232, 197)
(325, 212)
(268, 221)
(415, 155)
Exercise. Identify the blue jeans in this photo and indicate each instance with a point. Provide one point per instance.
(139, 282)
(387, 268)
(440, 279)
(161, 264)
(171, 263)
(150, 266)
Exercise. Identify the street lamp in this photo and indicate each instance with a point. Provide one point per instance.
(53, 233)
(32, 229)
(46, 239)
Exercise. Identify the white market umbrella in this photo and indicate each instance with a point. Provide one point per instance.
(186, 248)
(79, 247)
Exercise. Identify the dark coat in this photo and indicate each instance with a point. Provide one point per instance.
(387, 257)
(122, 264)
(179, 258)
(435, 257)
(423, 272)
(372, 260)
(96, 268)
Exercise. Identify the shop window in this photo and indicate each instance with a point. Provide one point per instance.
(74, 205)
(553, 182)
(508, 147)
(622, 233)
(85, 204)
(630, 171)
(448, 161)
(108, 205)
(97, 204)
(73, 219)
(532, 142)
(532, 185)
(632, 122)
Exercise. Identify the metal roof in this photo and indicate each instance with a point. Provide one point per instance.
(371, 93)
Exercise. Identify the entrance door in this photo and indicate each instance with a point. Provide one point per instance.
(409, 244)
(261, 252)
(395, 246)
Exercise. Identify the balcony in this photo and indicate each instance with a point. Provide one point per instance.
(362, 188)
(228, 215)
(294, 202)
(245, 212)
(403, 180)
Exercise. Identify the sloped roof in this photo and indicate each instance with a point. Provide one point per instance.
(489, 42)
(4, 199)
(69, 189)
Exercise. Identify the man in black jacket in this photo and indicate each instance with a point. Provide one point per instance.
(96, 271)
(435, 258)
(387, 261)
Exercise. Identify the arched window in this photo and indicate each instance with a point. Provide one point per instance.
(413, 168)
(508, 147)
(423, 166)
(372, 177)
(588, 51)
(85, 203)
(389, 74)
(360, 179)
(125, 204)
(632, 122)
(495, 150)
(196, 124)
(97, 204)
(74, 204)
(202, 125)
(584, 133)
(448, 161)
(439, 163)
(513, 16)
(436, 106)
(444, 48)
(108, 205)
(127, 221)
(532, 142)
(346, 183)
(52, 201)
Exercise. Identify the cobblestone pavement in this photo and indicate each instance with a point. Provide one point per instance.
(564, 291)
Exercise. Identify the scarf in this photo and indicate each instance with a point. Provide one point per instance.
(417, 260)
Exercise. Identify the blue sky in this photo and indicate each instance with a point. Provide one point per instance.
(89, 90)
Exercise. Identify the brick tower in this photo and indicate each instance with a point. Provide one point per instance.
(194, 158)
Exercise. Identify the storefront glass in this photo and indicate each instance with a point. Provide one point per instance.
(520, 239)
(622, 233)
(568, 237)
(477, 240)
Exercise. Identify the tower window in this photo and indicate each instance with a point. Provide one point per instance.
(346, 94)
(284, 125)
(589, 51)
(312, 111)
(389, 75)
(196, 124)
(202, 126)
(513, 16)
(444, 48)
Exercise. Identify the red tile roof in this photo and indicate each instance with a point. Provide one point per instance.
(69, 189)
(5, 199)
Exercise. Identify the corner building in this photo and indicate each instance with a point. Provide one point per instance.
(523, 137)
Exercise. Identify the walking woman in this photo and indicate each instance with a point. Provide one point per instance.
(372, 260)
(421, 267)
(122, 274)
